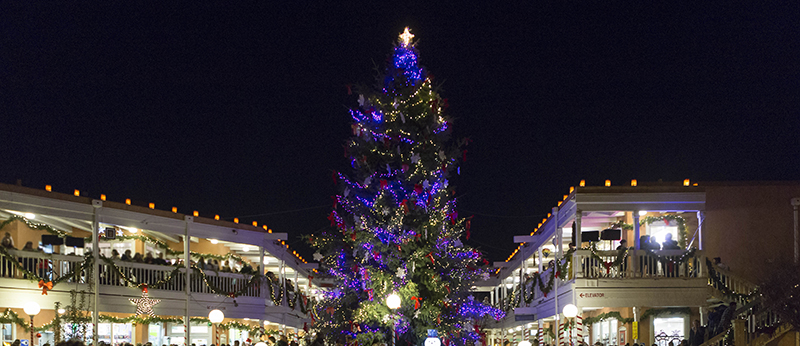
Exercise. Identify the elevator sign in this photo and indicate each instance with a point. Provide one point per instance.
(593, 295)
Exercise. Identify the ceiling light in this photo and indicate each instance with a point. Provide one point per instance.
(642, 212)
(30, 216)
(213, 241)
(266, 260)
(245, 248)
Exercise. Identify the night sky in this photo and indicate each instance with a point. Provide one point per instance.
(240, 108)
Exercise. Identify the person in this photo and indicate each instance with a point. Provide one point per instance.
(126, 256)
(718, 263)
(684, 342)
(149, 258)
(201, 264)
(726, 318)
(697, 335)
(8, 242)
(272, 340)
(115, 255)
(247, 269)
(670, 244)
(138, 258)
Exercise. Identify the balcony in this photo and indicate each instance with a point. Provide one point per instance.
(21, 272)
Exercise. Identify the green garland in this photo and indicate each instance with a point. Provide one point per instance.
(588, 321)
(621, 225)
(717, 283)
(669, 217)
(664, 311)
(132, 282)
(560, 269)
(34, 277)
(253, 281)
(32, 225)
(163, 245)
(618, 261)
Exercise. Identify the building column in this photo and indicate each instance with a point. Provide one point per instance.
(637, 246)
(95, 269)
(187, 258)
(578, 236)
(701, 216)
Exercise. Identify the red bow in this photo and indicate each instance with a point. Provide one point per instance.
(405, 206)
(417, 301)
(309, 280)
(45, 286)
(333, 176)
(384, 184)
(469, 224)
(330, 310)
(370, 293)
(608, 267)
(418, 189)
(430, 255)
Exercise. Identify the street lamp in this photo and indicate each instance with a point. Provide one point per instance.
(216, 316)
(393, 302)
(31, 308)
(570, 311)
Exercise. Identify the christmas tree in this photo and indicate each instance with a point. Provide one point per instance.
(395, 229)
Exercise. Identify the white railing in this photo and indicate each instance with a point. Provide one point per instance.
(46, 266)
(639, 264)
(729, 284)
(51, 267)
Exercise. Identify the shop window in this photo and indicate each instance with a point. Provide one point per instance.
(670, 329)
(7, 333)
(605, 332)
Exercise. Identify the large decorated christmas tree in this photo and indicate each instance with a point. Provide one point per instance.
(395, 229)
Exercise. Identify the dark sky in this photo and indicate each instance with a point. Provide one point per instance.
(239, 108)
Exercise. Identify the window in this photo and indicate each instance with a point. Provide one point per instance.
(669, 329)
(7, 333)
(605, 332)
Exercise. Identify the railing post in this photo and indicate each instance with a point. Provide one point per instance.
(636, 245)
(739, 336)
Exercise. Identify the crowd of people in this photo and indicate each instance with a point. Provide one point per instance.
(282, 340)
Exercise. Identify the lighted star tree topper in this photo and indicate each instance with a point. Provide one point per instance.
(394, 224)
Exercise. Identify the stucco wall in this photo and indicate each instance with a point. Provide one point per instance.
(750, 227)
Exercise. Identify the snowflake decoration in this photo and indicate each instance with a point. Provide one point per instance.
(401, 273)
(317, 256)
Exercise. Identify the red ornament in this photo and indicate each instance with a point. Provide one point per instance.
(430, 255)
(404, 167)
(335, 179)
(405, 206)
(330, 310)
(144, 288)
(384, 184)
(418, 189)
(335, 201)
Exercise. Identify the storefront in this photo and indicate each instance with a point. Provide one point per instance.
(605, 332)
(199, 332)
(670, 329)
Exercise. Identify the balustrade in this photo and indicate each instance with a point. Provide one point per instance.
(641, 264)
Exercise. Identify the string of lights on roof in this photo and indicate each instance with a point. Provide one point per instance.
(195, 213)
(607, 183)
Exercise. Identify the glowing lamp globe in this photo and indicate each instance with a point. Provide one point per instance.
(31, 308)
(261, 344)
(524, 343)
(393, 301)
(570, 311)
(433, 338)
(216, 316)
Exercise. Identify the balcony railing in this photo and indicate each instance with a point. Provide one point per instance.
(68, 269)
(639, 264)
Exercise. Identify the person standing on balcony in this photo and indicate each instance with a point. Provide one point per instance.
(126, 256)
(670, 244)
(622, 249)
(8, 244)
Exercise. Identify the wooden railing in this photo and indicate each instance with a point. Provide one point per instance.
(47, 266)
(53, 266)
(726, 283)
(639, 264)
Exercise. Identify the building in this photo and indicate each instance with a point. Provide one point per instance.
(198, 264)
(646, 295)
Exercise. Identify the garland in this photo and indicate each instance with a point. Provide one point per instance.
(253, 281)
(276, 300)
(717, 282)
(133, 282)
(621, 225)
(621, 255)
(560, 269)
(32, 225)
(163, 245)
(667, 218)
(588, 321)
(34, 277)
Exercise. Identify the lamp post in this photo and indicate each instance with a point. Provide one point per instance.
(31, 308)
(215, 316)
(570, 311)
(393, 301)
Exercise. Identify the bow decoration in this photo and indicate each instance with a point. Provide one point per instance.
(45, 286)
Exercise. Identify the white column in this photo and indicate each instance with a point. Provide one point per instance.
(187, 257)
(636, 245)
(701, 216)
(558, 253)
(95, 269)
(578, 236)
(795, 205)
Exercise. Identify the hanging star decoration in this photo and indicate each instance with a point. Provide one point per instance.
(406, 37)
(317, 256)
(144, 305)
(401, 273)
